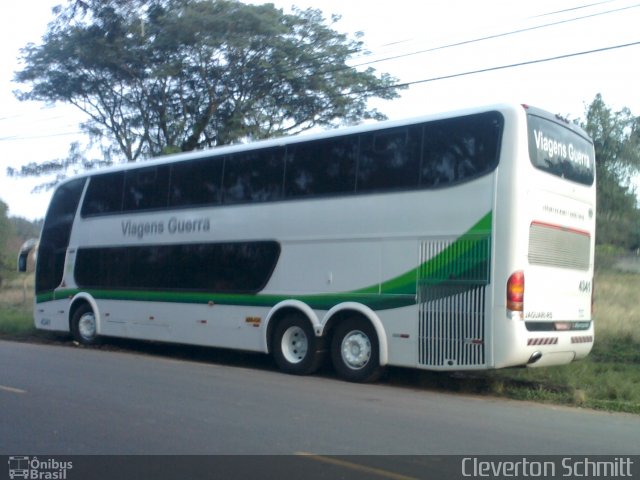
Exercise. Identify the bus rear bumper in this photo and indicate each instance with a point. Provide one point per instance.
(539, 359)
(571, 347)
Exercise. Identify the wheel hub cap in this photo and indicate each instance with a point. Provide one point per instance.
(294, 344)
(87, 326)
(356, 350)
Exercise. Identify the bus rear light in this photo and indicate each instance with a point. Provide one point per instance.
(515, 292)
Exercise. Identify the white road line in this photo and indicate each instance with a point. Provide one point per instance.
(12, 390)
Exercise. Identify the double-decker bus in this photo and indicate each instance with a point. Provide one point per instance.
(454, 241)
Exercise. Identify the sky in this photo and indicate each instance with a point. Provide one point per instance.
(432, 44)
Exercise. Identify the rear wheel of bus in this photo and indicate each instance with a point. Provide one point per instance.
(355, 351)
(295, 346)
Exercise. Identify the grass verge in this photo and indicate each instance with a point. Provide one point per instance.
(592, 383)
(15, 323)
(16, 309)
(608, 379)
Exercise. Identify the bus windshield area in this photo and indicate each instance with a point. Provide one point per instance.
(558, 150)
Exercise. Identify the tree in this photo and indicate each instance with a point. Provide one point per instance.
(163, 76)
(6, 230)
(76, 160)
(616, 137)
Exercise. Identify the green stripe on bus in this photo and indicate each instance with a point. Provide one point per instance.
(465, 261)
(467, 255)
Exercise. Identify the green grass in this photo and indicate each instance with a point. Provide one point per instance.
(15, 322)
(16, 308)
(608, 379)
(591, 383)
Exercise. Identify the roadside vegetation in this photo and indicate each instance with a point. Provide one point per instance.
(16, 308)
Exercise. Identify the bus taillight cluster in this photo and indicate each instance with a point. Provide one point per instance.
(515, 291)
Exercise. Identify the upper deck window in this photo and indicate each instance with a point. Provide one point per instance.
(426, 155)
(460, 149)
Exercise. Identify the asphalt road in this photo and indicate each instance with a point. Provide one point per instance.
(60, 400)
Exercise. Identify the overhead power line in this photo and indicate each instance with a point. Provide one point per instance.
(366, 53)
(35, 137)
(491, 37)
(580, 7)
(499, 67)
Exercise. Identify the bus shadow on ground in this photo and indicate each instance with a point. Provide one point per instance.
(470, 383)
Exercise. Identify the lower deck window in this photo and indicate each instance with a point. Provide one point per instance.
(239, 267)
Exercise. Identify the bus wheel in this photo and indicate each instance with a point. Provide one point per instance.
(83, 326)
(295, 346)
(355, 352)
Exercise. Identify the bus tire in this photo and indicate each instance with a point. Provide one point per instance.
(84, 327)
(295, 346)
(355, 351)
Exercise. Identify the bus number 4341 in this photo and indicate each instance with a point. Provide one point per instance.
(585, 286)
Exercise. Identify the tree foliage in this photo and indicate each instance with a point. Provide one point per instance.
(6, 230)
(14, 231)
(75, 162)
(616, 137)
(162, 76)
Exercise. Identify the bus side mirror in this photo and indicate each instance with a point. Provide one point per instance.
(25, 250)
(22, 261)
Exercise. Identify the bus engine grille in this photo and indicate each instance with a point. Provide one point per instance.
(451, 328)
(451, 303)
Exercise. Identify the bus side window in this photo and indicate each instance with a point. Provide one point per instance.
(439, 156)
(389, 159)
(146, 188)
(104, 195)
(460, 149)
(239, 267)
(254, 176)
(323, 167)
(198, 182)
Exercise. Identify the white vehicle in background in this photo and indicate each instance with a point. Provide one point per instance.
(455, 241)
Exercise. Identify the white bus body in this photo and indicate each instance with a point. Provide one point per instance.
(449, 242)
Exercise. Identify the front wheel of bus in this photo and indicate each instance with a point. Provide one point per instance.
(295, 346)
(355, 352)
(84, 327)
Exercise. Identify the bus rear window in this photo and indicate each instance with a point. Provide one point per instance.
(560, 151)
